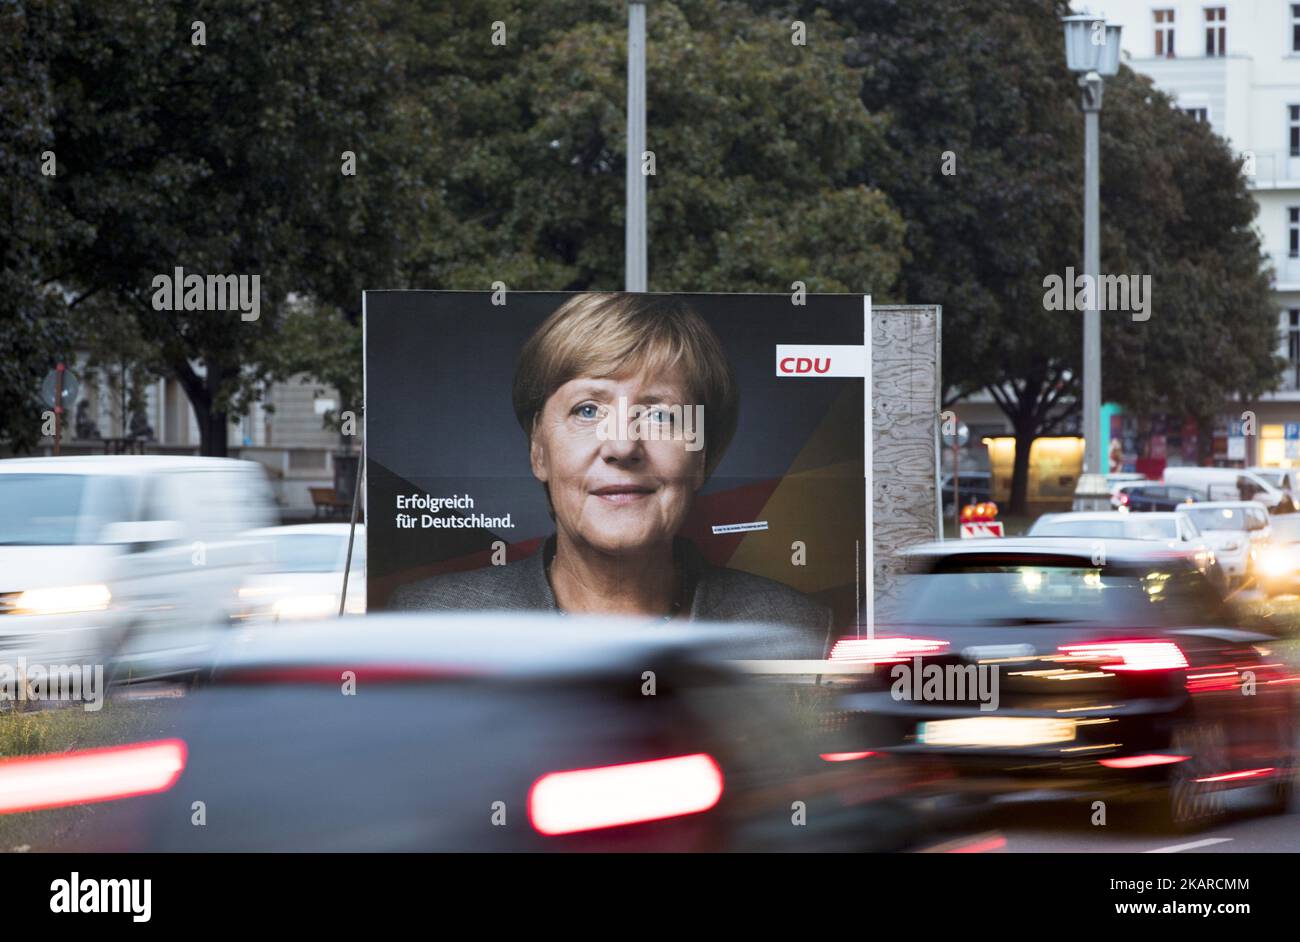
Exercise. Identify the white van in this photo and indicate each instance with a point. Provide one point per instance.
(1219, 484)
(130, 559)
(1284, 479)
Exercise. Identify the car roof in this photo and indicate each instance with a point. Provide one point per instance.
(1223, 504)
(530, 643)
(120, 464)
(309, 529)
(1085, 548)
(1107, 515)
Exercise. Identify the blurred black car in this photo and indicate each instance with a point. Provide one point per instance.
(501, 732)
(1102, 668)
(1149, 497)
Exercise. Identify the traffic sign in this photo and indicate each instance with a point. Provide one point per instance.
(962, 436)
(54, 394)
(979, 528)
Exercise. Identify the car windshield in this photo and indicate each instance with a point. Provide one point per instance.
(1131, 528)
(1147, 528)
(1286, 528)
(1218, 518)
(313, 552)
(1032, 594)
(1272, 477)
(59, 509)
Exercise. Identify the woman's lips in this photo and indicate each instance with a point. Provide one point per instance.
(622, 493)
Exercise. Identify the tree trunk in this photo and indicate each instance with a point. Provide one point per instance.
(201, 391)
(213, 429)
(213, 426)
(1025, 435)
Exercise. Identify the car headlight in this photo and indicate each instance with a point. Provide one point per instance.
(316, 606)
(62, 600)
(1274, 563)
(305, 606)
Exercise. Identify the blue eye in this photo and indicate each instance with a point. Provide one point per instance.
(662, 416)
(587, 410)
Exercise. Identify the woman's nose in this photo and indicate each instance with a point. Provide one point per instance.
(620, 449)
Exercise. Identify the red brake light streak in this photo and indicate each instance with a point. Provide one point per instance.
(89, 775)
(590, 799)
(885, 650)
(1129, 655)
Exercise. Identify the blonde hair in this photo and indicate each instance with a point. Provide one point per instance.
(610, 334)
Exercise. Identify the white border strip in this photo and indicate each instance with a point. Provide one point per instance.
(364, 483)
(869, 583)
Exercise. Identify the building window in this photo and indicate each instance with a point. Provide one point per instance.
(1199, 115)
(1293, 231)
(1295, 27)
(1164, 25)
(1293, 347)
(1216, 31)
(1293, 128)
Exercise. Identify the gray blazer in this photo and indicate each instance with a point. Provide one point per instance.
(720, 595)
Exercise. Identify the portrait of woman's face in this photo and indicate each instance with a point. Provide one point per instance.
(615, 493)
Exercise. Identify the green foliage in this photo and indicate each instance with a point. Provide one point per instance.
(1181, 212)
(756, 154)
(475, 163)
(988, 83)
(478, 162)
(226, 158)
(34, 332)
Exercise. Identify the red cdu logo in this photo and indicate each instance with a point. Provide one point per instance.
(817, 360)
(797, 366)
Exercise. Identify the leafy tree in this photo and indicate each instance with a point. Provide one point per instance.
(1188, 222)
(34, 333)
(988, 85)
(226, 157)
(756, 156)
(476, 162)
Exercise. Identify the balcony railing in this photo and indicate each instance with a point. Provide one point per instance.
(1286, 270)
(1274, 169)
(1290, 377)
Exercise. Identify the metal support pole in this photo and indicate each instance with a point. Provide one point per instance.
(352, 529)
(1092, 457)
(956, 486)
(635, 240)
(58, 406)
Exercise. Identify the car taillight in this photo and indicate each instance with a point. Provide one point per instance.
(884, 650)
(88, 775)
(1128, 655)
(1142, 761)
(590, 799)
(1123, 498)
